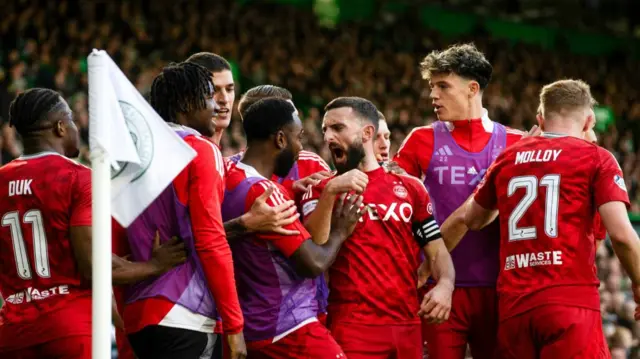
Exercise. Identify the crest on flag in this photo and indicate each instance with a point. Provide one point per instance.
(142, 137)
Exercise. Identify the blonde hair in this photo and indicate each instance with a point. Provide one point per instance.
(565, 96)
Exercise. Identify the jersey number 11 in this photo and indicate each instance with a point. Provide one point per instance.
(41, 252)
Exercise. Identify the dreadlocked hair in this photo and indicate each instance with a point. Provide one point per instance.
(30, 109)
(180, 88)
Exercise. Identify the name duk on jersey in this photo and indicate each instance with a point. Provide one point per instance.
(533, 259)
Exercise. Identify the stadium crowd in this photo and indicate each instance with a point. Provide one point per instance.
(46, 45)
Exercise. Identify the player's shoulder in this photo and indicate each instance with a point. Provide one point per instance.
(414, 183)
(420, 132)
(261, 185)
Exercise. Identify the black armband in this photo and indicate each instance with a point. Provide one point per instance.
(426, 231)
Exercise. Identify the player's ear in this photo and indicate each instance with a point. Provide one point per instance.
(59, 129)
(474, 88)
(280, 140)
(591, 121)
(368, 133)
(540, 121)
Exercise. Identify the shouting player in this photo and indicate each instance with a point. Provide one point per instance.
(453, 155)
(177, 320)
(45, 237)
(373, 301)
(550, 188)
(275, 272)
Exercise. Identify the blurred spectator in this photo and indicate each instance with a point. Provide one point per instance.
(46, 43)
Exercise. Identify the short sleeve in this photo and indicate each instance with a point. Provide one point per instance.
(421, 202)
(599, 230)
(609, 185)
(310, 198)
(415, 152)
(285, 244)
(81, 198)
(485, 194)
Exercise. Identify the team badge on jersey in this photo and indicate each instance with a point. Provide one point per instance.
(430, 208)
(620, 182)
(400, 191)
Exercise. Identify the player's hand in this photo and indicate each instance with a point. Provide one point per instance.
(424, 271)
(347, 213)
(237, 346)
(636, 297)
(533, 132)
(354, 180)
(302, 185)
(264, 218)
(167, 255)
(436, 304)
(393, 167)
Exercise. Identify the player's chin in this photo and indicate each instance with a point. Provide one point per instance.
(223, 121)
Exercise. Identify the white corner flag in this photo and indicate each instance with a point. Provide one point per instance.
(135, 155)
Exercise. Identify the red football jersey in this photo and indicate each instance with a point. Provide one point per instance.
(374, 277)
(549, 189)
(41, 197)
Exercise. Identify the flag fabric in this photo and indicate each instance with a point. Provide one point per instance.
(145, 153)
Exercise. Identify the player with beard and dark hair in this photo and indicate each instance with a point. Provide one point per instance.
(45, 237)
(275, 272)
(373, 300)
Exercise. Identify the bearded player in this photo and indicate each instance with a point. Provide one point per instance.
(373, 306)
(275, 272)
(453, 155)
(549, 190)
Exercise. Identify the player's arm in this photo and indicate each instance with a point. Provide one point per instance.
(263, 218)
(415, 152)
(481, 207)
(318, 212)
(610, 195)
(313, 259)
(436, 304)
(124, 272)
(211, 246)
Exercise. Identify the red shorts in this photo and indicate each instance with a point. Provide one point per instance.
(551, 332)
(77, 347)
(312, 341)
(360, 341)
(473, 320)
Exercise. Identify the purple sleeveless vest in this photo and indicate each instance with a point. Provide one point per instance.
(185, 284)
(452, 176)
(322, 293)
(273, 297)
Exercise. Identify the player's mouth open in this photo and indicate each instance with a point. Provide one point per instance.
(437, 108)
(338, 154)
(223, 112)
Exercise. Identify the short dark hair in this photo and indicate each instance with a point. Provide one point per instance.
(363, 107)
(212, 62)
(29, 110)
(261, 92)
(180, 88)
(463, 60)
(381, 116)
(266, 117)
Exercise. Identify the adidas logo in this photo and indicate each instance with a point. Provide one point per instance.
(472, 171)
(444, 151)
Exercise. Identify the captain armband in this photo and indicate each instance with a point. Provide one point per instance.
(426, 231)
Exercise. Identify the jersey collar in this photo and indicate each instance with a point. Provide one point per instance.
(487, 124)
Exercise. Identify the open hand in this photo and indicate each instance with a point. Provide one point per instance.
(347, 212)
(167, 255)
(264, 218)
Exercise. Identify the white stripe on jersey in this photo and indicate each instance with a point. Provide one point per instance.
(276, 197)
(217, 155)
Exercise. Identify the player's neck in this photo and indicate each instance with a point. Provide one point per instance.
(369, 163)
(38, 145)
(256, 158)
(217, 136)
(475, 111)
(564, 130)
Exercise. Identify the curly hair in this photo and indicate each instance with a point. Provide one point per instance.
(463, 60)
